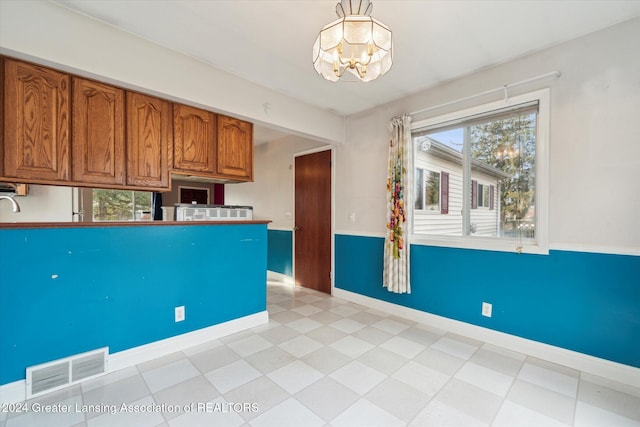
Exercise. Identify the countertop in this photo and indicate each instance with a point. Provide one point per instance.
(12, 225)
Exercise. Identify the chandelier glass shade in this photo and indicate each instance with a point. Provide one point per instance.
(356, 44)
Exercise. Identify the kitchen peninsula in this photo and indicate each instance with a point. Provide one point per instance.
(69, 288)
(140, 290)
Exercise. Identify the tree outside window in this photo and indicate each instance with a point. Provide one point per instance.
(121, 205)
(427, 190)
(510, 145)
(432, 191)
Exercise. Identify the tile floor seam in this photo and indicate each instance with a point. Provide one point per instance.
(427, 404)
(444, 386)
(153, 398)
(506, 396)
(404, 363)
(84, 416)
(575, 401)
(311, 409)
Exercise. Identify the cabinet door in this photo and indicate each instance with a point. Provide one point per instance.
(36, 122)
(235, 148)
(98, 133)
(194, 139)
(148, 135)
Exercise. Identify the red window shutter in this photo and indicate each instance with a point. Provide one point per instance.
(474, 194)
(444, 192)
(492, 194)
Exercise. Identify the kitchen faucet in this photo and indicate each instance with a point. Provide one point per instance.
(16, 206)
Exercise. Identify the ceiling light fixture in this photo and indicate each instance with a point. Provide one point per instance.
(356, 43)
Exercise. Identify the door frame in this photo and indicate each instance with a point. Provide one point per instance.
(333, 210)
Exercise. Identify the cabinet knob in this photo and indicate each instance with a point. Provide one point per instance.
(296, 228)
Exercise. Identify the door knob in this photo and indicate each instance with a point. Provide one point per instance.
(296, 228)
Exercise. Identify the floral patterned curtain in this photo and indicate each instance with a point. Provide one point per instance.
(399, 188)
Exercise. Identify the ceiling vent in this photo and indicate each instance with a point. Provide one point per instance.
(61, 373)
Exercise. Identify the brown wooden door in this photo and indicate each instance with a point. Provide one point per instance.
(312, 231)
(36, 122)
(98, 133)
(235, 148)
(148, 135)
(194, 139)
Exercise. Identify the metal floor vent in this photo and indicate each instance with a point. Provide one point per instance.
(64, 372)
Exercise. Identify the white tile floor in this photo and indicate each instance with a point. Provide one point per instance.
(324, 361)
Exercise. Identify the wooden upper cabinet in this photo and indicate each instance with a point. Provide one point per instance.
(98, 133)
(36, 122)
(194, 139)
(148, 135)
(235, 148)
(67, 130)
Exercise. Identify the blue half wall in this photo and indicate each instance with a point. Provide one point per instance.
(585, 302)
(280, 252)
(64, 291)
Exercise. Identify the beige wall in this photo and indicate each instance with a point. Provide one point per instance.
(271, 194)
(43, 203)
(594, 150)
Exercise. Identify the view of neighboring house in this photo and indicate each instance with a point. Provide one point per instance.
(438, 177)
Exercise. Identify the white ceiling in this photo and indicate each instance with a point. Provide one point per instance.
(269, 41)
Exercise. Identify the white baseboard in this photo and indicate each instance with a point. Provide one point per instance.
(583, 362)
(144, 353)
(16, 391)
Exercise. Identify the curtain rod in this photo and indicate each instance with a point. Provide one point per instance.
(487, 92)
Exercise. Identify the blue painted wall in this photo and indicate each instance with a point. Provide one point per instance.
(118, 286)
(585, 302)
(280, 252)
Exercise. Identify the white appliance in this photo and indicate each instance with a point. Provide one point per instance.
(186, 212)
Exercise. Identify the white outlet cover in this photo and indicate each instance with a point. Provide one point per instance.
(487, 309)
(179, 313)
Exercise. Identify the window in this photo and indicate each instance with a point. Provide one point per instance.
(121, 205)
(496, 187)
(484, 192)
(427, 190)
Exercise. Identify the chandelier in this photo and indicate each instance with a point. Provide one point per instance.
(355, 44)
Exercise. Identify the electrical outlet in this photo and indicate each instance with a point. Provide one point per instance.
(486, 309)
(179, 313)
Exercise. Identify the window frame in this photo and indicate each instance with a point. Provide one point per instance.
(541, 243)
(484, 198)
(424, 209)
